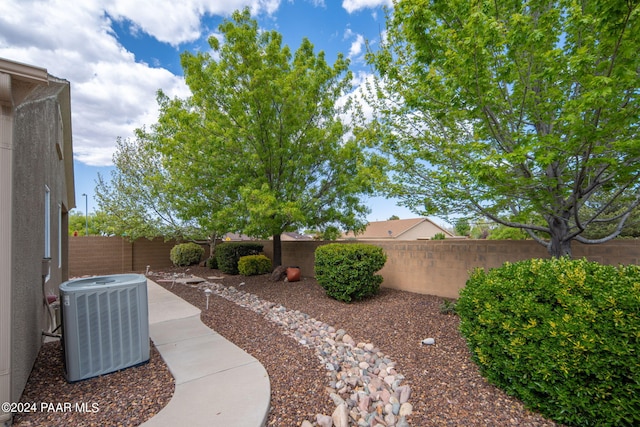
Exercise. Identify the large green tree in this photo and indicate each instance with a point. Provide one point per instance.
(526, 112)
(141, 198)
(96, 223)
(261, 136)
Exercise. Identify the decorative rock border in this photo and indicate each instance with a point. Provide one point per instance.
(363, 382)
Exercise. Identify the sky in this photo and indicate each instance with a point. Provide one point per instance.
(116, 54)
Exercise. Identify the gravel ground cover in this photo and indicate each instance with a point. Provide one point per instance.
(446, 387)
(125, 398)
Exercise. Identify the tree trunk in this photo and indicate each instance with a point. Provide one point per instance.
(559, 246)
(277, 251)
(212, 244)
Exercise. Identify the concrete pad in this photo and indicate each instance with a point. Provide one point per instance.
(235, 398)
(178, 330)
(200, 356)
(164, 305)
(171, 310)
(217, 383)
(157, 293)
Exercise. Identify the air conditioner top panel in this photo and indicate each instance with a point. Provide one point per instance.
(102, 282)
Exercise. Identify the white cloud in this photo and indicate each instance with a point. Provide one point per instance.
(354, 5)
(112, 93)
(179, 22)
(356, 46)
(348, 33)
(119, 98)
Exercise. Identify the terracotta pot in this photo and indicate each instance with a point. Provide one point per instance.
(293, 274)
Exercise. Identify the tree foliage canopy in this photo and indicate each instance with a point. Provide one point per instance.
(141, 199)
(95, 224)
(259, 147)
(526, 112)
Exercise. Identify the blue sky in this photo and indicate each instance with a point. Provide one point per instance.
(118, 53)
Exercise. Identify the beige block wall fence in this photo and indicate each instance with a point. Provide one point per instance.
(95, 255)
(438, 267)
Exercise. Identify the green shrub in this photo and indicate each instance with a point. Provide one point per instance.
(347, 270)
(252, 265)
(448, 307)
(507, 233)
(562, 335)
(228, 254)
(438, 236)
(186, 254)
(212, 263)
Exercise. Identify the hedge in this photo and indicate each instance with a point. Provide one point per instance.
(228, 254)
(185, 254)
(347, 270)
(562, 335)
(252, 265)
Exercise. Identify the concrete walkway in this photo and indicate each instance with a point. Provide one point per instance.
(217, 383)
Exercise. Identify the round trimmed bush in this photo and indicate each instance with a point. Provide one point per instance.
(228, 254)
(562, 335)
(252, 265)
(212, 263)
(347, 270)
(186, 254)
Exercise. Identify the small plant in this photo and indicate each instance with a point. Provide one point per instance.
(185, 254)
(347, 270)
(448, 307)
(438, 236)
(212, 263)
(562, 335)
(228, 254)
(252, 265)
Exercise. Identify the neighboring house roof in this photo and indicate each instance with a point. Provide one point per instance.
(236, 237)
(292, 235)
(400, 229)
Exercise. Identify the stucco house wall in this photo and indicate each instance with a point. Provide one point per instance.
(424, 230)
(37, 190)
(399, 229)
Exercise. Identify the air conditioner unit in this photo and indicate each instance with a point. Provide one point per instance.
(105, 324)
